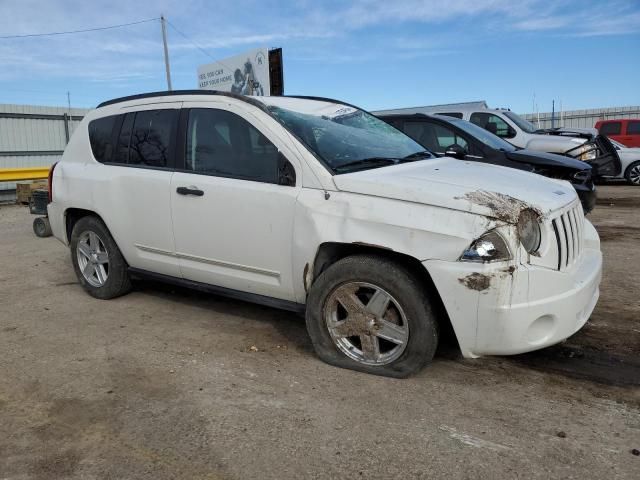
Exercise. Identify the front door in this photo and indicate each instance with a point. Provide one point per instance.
(233, 221)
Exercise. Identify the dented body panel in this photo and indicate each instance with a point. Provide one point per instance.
(497, 310)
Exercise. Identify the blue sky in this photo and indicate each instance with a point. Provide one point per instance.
(373, 53)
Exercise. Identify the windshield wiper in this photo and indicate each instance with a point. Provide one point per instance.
(371, 162)
(417, 156)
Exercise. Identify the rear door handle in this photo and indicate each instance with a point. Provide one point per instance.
(190, 191)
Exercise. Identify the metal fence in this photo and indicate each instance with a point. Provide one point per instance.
(33, 136)
(581, 118)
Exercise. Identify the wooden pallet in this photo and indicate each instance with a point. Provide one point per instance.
(24, 189)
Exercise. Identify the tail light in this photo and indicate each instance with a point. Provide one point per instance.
(50, 181)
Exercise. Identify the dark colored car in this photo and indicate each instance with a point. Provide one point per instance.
(464, 140)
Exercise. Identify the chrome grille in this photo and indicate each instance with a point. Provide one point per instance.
(568, 228)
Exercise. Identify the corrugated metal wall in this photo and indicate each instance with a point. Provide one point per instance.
(33, 136)
(582, 118)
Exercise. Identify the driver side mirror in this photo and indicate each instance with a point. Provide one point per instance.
(455, 151)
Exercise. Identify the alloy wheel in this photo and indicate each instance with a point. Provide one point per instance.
(366, 323)
(634, 175)
(93, 258)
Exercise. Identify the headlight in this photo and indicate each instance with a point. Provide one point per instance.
(590, 154)
(490, 247)
(529, 231)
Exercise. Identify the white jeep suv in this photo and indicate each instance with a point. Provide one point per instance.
(316, 206)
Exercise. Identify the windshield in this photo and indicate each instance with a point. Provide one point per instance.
(523, 124)
(344, 137)
(482, 135)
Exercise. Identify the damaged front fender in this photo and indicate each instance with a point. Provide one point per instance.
(416, 230)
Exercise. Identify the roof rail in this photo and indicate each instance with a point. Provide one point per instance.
(167, 93)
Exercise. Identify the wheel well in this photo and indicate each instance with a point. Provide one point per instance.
(331, 252)
(628, 169)
(72, 215)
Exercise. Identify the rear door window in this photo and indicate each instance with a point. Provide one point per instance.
(151, 138)
(101, 138)
(633, 128)
(610, 128)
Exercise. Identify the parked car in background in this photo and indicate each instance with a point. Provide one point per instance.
(466, 141)
(625, 131)
(316, 206)
(580, 144)
(630, 158)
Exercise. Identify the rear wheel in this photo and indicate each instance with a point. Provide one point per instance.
(100, 267)
(632, 174)
(370, 314)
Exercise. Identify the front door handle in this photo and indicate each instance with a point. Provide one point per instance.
(190, 191)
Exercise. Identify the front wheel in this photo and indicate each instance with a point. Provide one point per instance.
(632, 174)
(100, 267)
(370, 314)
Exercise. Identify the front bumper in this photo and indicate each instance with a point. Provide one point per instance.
(497, 309)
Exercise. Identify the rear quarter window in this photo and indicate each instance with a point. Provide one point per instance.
(610, 128)
(101, 138)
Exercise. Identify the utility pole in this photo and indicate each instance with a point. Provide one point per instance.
(553, 114)
(69, 101)
(163, 22)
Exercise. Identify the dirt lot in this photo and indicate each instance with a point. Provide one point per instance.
(164, 383)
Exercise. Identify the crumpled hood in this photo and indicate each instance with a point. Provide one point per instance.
(555, 143)
(484, 189)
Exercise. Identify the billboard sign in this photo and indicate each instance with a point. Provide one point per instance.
(244, 74)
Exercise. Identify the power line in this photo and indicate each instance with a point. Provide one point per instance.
(189, 40)
(3, 37)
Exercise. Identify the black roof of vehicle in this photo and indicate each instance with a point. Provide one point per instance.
(173, 93)
(244, 98)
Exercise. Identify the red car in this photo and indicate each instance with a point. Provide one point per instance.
(625, 131)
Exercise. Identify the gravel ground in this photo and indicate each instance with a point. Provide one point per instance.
(169, 383)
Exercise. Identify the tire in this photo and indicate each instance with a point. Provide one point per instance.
(632, 174)
(351, 343)
(94, 250)
(41, 227)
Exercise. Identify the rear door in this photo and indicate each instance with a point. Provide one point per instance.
(233, 202)
(133, 194)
